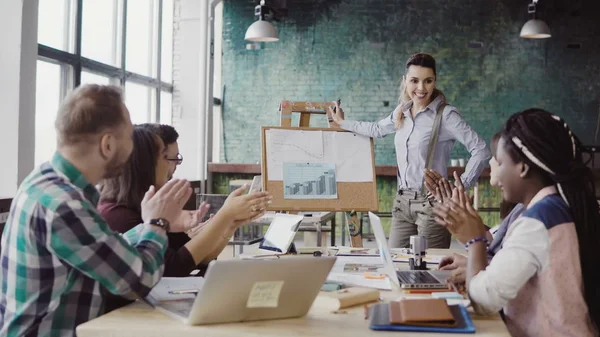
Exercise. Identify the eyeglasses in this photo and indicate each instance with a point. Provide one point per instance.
(178, 160)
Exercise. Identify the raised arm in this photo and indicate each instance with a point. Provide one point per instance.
(81, 238)
(238, 209)
(370, 129)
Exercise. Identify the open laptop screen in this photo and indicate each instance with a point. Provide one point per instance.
(281, 233)
(384, 249)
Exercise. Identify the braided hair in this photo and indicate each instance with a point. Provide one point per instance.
(545, 142)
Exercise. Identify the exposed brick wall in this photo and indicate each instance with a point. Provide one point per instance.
(355, 50)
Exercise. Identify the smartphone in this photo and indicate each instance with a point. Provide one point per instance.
(256, 185)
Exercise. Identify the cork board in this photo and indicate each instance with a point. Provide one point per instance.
(357, 196)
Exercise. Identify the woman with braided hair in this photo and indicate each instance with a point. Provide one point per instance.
(545, 276)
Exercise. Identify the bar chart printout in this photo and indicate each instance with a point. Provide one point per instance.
(309, 181)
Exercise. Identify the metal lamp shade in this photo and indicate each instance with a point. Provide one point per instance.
(262, 31)
(535, 29)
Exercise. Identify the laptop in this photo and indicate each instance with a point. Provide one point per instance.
(419, 279)
(250, 290)
(281, 233)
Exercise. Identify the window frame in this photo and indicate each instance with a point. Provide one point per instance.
(79, 62)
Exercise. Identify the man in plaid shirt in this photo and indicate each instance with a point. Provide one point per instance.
(59, 257)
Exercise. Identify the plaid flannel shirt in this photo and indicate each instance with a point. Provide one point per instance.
(59, 255)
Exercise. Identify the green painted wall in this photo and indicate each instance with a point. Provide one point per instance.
(356, 49)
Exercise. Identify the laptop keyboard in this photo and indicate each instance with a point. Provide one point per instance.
(416, 277)
(180, 307)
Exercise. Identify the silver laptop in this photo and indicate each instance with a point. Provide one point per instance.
(405, 278)
(250, 290)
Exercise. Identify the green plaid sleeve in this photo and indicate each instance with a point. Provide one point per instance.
(80, 237)
(133, 235)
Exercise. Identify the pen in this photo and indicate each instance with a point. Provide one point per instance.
(184, 291)
(426, 291)
(339, 101)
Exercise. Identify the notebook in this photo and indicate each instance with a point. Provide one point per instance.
(380, 320)
(421, 312)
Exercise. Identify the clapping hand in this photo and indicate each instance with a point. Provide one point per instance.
(243, 208)
(188, 220)
(460, 218)
(167, 202)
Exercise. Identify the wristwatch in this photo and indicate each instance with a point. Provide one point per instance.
(161, 222)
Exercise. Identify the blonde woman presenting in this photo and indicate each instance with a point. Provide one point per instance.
(414, 124)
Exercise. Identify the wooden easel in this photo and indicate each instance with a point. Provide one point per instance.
(306, 109)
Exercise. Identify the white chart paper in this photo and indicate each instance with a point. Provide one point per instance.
(350, 153)
(292, 146)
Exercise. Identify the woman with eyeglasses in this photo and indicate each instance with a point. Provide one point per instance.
(149, 166)
(169, 136)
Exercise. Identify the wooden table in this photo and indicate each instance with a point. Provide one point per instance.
(137, 319)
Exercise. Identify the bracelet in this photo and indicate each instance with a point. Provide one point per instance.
(478, 239)
(226, 237)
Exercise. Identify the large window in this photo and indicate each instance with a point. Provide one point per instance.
(101, 30)
(120, 42)
(47, 97)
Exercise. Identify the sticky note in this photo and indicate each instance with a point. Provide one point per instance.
(265, 294)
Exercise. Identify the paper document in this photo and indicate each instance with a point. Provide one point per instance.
(430, 259)
(351, 270)
(292, 146)
(397, 256)
(464, 302)
(341, 261)
(360, 281)
(362, 268)
(309, 181)
(161, 292)
(350, 152)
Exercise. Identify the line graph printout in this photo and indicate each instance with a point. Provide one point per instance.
(351, 153)
(292, 146)
(309, 181)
